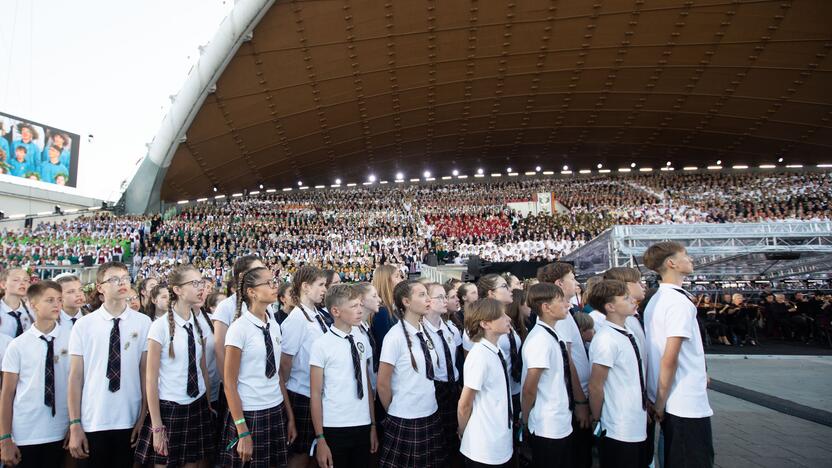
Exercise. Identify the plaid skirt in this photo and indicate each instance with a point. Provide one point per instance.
(190, 438)
(413, 443)
(303, 423)
(447, 397)
(268, 435)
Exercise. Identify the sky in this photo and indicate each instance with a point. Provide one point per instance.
(101, 68)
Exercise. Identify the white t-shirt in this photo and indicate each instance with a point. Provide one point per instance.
(257, 392)
(101, 409)
(25, 356)
(441, 372)
(299, 333)
(8, 324)
(598, 320)
(211, 357)
(550, 417)
(364, 334)
(227, 309)
(341, 405)
(637, 330)
(671, 314)
(569, 332)
(505, 346)
(413, 393)
(173, 371)
(622, 414)
(5, 340)
(487, 438)
(66, 319)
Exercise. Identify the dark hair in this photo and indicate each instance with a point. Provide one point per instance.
(247, 280)
(481, 310)
(604, 292)
(175, 278)
(541, 293)
(554, 271)
(36, 290)
(141, 285)
(103, 269)
(241, 265)
(330, 275)
(656, 254)
(150, 309)
(487, 283)
(518, 299)
(404, 290)
(625, 274)
(305, 274)
(460, 292)
(63, 279)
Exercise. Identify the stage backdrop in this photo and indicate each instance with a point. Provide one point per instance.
(36, 151)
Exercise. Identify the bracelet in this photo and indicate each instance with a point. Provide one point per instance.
(236, 439)
(319, 436)
(75, 421)
(582, 402)
(240, 421)
(158, 429)
(5, 436)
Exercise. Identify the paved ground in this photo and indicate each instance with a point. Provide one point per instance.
(747, 435)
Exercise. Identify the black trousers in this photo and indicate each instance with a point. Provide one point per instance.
(688, 442)
(42, 455)
(110, 449)
(350, 446)
(581, 445)
(547, 453)
(617, 454)
(472, 464)
(650, 443)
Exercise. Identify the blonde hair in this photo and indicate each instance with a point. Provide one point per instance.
(383, 282)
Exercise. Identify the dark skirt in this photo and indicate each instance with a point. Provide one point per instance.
(303, 423)
(268, 436)
(190, 438)
(218, 420)
(447, 397)
(410, 443)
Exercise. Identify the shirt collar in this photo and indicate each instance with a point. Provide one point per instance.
(180, 321)
(544, 325)
(338, 332)
(426, 323)
(410, 328)
(77, 315)
(489, 345)
(7, 308)
(37, 333)
(253, 319)
(105, 314)
(612, 325)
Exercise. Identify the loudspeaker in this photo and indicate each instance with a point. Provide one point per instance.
(431, 260)
(28, 223)
(783, 256)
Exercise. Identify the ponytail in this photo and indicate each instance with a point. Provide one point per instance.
(171, 326)
(239, 292)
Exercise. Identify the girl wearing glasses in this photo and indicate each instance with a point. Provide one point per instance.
(178, 431)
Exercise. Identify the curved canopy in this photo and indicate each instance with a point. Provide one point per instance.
(342, 89)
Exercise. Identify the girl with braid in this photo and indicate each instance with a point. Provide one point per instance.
(260, 423)
(178, 431)
(412, 430)
(301, 328)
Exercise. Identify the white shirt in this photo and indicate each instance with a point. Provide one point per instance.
(622, 414)
(341, 405)
(211, 357)
(5, 340)
(299, 334)
(257, 392)
(598, 320)
(364, 334)
(550, 417)
(671, 314)
(101, 409)
(66, 319)
(505, 346)
(637, 330)
(441, 372)
(227, 309)
(173, 371)
(569, 332)
(487, 438)
(413, 394)
(8, 324)
(33, 422)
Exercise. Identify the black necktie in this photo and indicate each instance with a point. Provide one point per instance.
(373, 344)
(356, 367)
(449, 363)
(514, 355)
(508, 387)
(640, 371)
(321, 323)
(428, 361)
(73, 320)
(49, 374)
(114, 359)
(271, 367)
(16, 315)
(567, 376)
(193, 382)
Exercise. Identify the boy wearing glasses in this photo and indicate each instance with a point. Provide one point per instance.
(108, 351)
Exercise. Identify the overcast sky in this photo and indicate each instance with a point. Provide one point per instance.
(105, 68)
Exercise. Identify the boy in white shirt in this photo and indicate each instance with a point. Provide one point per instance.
(33, 414)
(617, 394)
(485, 407)
(73, 299)
(547, 396)
(15, 318)
(108, 351)
(341, 397)
(677, 378)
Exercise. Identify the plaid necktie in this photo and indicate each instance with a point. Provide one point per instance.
(356, 367)
(508, 387)
(640, 371)
(449, 363)
(193, 382)
(49, 374)
(514, 355)
(271, 367)
(114, 359)
(426, 352)
(567, 376)
(16, 314)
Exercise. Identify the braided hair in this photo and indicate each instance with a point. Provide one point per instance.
(305, 274)
(245, 280)
(404, 290)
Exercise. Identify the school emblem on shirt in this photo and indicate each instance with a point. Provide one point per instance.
(448, 339)
(360, 347)
(430, 345)
(277, 340)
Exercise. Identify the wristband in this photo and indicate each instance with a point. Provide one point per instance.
(582, 402)
(236, 439)
(5, 436)
(158, 429)
(240, 421)
(75, 421)
(319, 436)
